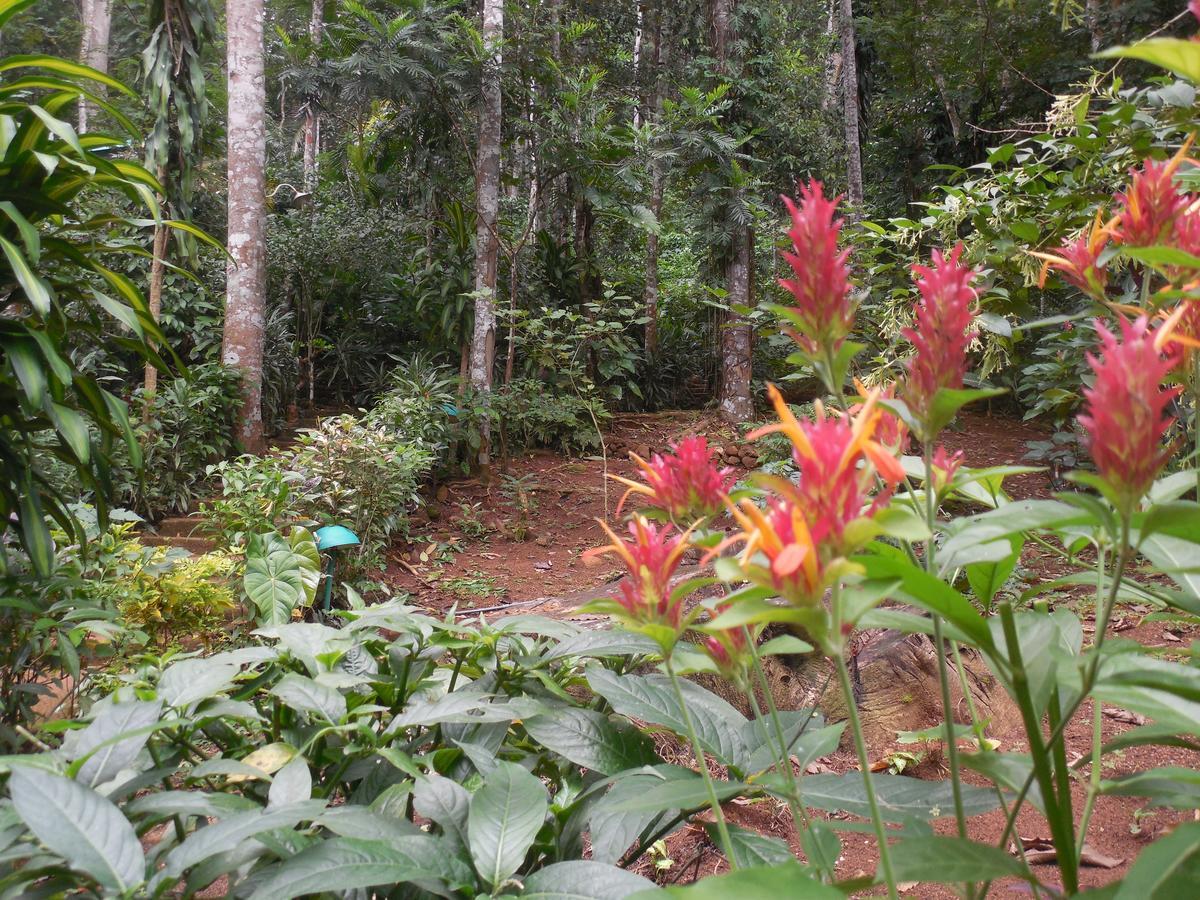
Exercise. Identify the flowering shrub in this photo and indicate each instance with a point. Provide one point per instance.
(862, 524)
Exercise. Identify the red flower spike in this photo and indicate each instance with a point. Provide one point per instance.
(1125, 418)
(727, 647)
(944, 466)
(1151, 203)
(940, 336)
(890, 431)
(821, 282)
(650, 562)
(685, 482)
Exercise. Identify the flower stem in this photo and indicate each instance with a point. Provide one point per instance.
(702, 761)
(864, 762)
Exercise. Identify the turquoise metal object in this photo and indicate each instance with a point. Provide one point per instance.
(333, 536)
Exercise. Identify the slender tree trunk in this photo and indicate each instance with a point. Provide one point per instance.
(93, 51)
(312, 118)
(157, 272)
(735, 402)
(245, 298)
(487, 202)
(1095, 31)
(657, 181)
(833, 65)
(854, 176)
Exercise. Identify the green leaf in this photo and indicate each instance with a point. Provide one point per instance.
(345, 864)
(651, 698)
(112, 741)
(678, 793)
(930, 593)
(1167, 869)
(63, 67)
(27, 366)
(9, 8)
(291, 784)
(71, 428)
(1163, 257)
(1176, 55)
(751, 848)
(940, 859)
(85, 829)
(304, 694)
(899, 797)
(1172, 786)
(987, 578)
(281, 574)
(37, 292)
(583, 879)
(505, 817)
(948, 401)
(190, 681)
(445, 803)
(790, 880)
(230, 832)
(592, 740)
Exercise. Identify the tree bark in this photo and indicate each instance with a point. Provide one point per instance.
(854, 176)
(93, 51)
(157, 271)
(487, 203)
(245, 295)
(735, 401)
(1095, 31)
(312, 118)
(657, 180)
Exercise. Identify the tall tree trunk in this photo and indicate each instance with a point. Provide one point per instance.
(487, 203)
(93, 51)
(157, 272)
(735, 402)
(658, 179)
(312, 118)
(1095, 31)
(854, 176)
(245, 297)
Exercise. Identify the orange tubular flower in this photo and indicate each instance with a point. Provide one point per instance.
(685, 482)
(1079, 260)
(823, 312)
(650, 562)
(807, 526)
(1125, 417)
(1151, 203)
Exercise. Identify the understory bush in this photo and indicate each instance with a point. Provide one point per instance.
(532, 415)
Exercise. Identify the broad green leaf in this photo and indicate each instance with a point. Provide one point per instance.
(679, 793)
(583, 879)
(190, 681)
(63, 67)
(37, 292)
(304, 694)
(346, 864)
(987, 578)
(613, 829)
(361, 822)
(790, 880)
(751, 848)
(592, 740)
(291, 784)
(231, 831)
(1167, 869)
(931, 594)
(82, 827)
(941, 859)
(505, 817)
(444, 802)
(71, 428)
(651, 698)
(1172, 786)
(112, 741)
(605, 642)
(1176, 55)
(899, 797)
(9, 8)
(27, 366)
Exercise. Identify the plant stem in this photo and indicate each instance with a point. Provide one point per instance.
(860, 746)
(795, 801)
(940, 651)
(702, 761)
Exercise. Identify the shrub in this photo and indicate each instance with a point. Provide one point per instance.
(533, 415)
(258, 494)
(175, 597)
(187, 425)
(360, 475)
